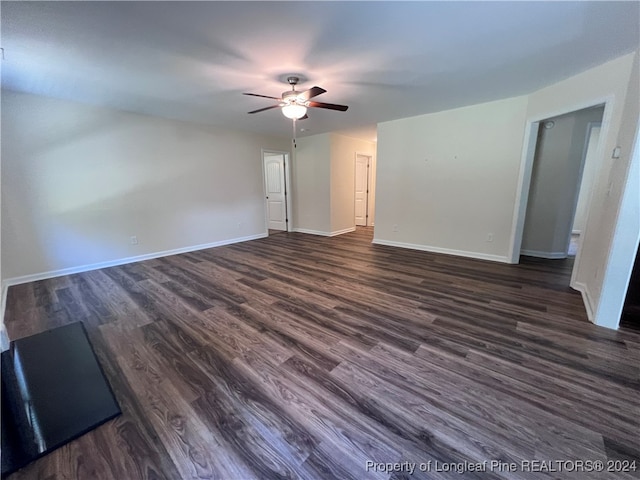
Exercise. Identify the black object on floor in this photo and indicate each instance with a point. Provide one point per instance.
(53, 391)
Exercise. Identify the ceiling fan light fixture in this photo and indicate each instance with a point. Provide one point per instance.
(294, 104)
(294, 111)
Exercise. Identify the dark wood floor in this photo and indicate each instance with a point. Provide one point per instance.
(298, 356)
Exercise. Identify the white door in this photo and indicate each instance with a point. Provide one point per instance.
(362, 188)
(275, 191)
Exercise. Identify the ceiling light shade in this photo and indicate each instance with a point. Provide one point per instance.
(294, 111)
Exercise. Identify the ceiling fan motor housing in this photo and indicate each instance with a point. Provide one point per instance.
(291, 96)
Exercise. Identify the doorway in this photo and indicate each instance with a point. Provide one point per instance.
(565, 163)
(276, 190)
(364, 181)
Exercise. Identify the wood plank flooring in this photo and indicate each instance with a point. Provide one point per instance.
(298, 356)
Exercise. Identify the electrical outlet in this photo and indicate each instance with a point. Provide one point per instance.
(133, 240)
(489, 237)
(616, 152)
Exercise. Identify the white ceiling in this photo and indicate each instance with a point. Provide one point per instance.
(386, 60)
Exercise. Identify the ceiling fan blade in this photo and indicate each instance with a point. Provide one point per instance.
(312, 92)
(330, 106)
(263, 109)
(263, 96)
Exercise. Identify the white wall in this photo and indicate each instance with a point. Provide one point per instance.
(79, 181)
(624, 208)
(446, 181)
(555, 183)
(608, 83)
(311, 187)
(343, 155)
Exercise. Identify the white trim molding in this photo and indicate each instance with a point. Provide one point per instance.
(587, 299)
(311, 232)
(344, 230)
(121, 261)
(550, 255)
(325, 234)
(446, 251)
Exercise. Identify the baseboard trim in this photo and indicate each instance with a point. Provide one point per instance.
(343, 231)
(311, 232)
(324, 234)
(549, 255)
(446, 251)
(587, 299)
(122, 261)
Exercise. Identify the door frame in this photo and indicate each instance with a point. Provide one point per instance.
(287, 187)
(585, 151)
(368, 192)
(370, 185)
(526, 168)
(583, 162)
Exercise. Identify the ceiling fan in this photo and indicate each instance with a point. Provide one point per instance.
(294, 104)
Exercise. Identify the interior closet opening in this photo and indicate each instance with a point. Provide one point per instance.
(565, 166)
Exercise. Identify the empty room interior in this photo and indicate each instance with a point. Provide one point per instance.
(317, 240)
